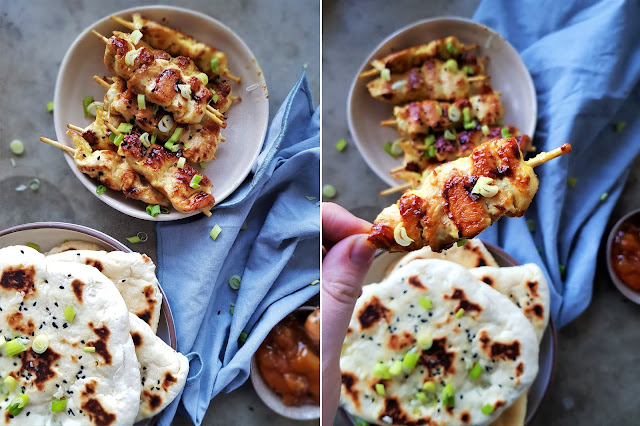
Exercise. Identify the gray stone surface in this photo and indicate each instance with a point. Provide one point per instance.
(598, 354)
(35, 35)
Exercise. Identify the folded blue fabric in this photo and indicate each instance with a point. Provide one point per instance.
(584, 58)
(277, 256)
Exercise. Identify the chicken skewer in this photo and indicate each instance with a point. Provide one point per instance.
(171, 83)
(96, 133)
(460, 199)
(110, 169)
(443, 48)
(210, 60)
(198, 142)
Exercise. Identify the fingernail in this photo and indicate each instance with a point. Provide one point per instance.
(361, 252)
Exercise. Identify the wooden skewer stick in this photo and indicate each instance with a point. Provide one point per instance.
(397, 169)
(223, 139)
(543, 157)
(123, 22)
(216, 119)
(393, 189)
(58, 145)
(206, 212)
(101, 82)
(369, 73)
(100, 36)
(392, 122)
(235, 98)
(232, 77)
(75, 128)
(215, 111)
(478, 78)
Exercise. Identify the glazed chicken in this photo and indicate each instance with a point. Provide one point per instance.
(114, 172)
(460, 199)
(97, 133)
(160, 167)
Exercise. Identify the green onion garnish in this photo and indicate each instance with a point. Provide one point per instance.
(232, 307)
(475, 371)
(461, 242)
(171, 146)
(425, 302)
(410, 360)
(572, 182)
(386, 74)
(50, 106)
(153, 210)
(604, 196)
(429, 387)
(17, 147)
(422, 397)
(235, 281)
(328, 191)
(175, 136)
(487, 409)
(396, 368)
(242, 338)
(17, 404)
(153, 139)
(9, 384)
(203, 78)
(195, 181)
(112, 137)
(448, 135)
(361, 422)
(381, 370)
(380, 389)
(431, 152)
(33, 246)
(155, 109)
(393, 149)
(425, 341)
(451, 49)
(142, 101)
(101, 189)
(439, 109)
(505, 132)
(430, 140)
(181, 162)
(214, 65)
(460, 313)
(215, 98)
(454, 113)
(466, 114)
(69, 313)
(14, 347)
(531, 225)
(447, 395)
(451, 65)
(58, 405)
(118, 140)
(620, 125)
(470, 125)
(85, 105)
(467, 69)
(134, 240)
(202, 164)
(314, 282)
(341, 145)
(89, 349)
(40, 344)
(215, 231)
(485, 130)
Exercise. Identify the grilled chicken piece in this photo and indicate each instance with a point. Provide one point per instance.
(97, 133)
(159, 166)
(114, 172)
(432, 80)
(199, 141)
(444, 209)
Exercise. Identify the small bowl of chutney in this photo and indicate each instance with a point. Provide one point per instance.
(623, 255)
(285, 370)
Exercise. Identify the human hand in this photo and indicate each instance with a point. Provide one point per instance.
(344, 266)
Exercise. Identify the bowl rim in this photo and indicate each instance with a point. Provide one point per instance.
(263, 387)
(383, 175)
(627, 291)
(58, 96)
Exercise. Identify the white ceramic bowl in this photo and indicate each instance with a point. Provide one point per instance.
(272, 400)
(247, 120)
(383, 263)
(631, 294)
(507, 71)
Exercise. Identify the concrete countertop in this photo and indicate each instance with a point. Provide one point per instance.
(35, 35)
(590, 386)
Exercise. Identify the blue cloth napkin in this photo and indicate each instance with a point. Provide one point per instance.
(277, 256)
(584, 58)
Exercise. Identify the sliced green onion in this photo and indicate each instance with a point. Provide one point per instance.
(181, 162)
(314, 282)
(425, 302)
(176, 135)
(431, 152)
(447, 395)
(381, 370)
(214, 65)
(135, 36)
(235, 281)
(202, 164)
(430, 140)
(101, 189)
(396, 368)
(393, 149)
(9, 384)
(572, 182)
(195, 181)
(460, 313)
(58, 405)
(14, 347)
(451, 49)
(134, 240)
(341, 145)
(475, 371)
(164, 210)
(155, 109)
(112, 136)
(185, 90)
(620, 125)
(17, 404)
(451, 65)
(215, 231)
(153, 139)
(422, 397)
(215, 98)
(118, 140)
(439, 109)
(34, 184)
(232, 307)
(466, 114)
(85, 104)
(125, 127)
(487, 409)
(468, 70)
(604, 196)
(166, 123)
(131, 56)
(142, 101)
(17, 147)
(328, 191)
(40, 344)
(485, 130)
(385, 74)
(449, 135)
(461, 242)
(153, 210)
(144, 138)
(203, 78)
(470, 125)
(505, 132)
(429, 387)
(69, 313)
(33, 246)
(242, 338)
(380, 389)
(93, 107)
(361, 422)
(171, 146)
(50, 106)
(410, 360)
(531, 225)
(425, 341)
(454, 113)
(89, 349)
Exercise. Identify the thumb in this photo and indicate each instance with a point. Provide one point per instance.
(343, 270)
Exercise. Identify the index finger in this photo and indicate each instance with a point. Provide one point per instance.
(338, 223)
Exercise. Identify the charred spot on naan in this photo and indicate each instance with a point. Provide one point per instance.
(393, 410)
(500, 350)
(465, 417)
(95, 263)
(101, 344)
(437, 360)
(154, 400)
(19, 279)
(137, 339)
(168, 381)
(77, 287)
(18, 323)
(348, 382)
(373, 312)
(536, 311)
(92, 406)
(519, 369)
(40, 366)
(478, 253)
(464, 303)
(487, 280)
(533, 288)
(414, 280)
(397, 342)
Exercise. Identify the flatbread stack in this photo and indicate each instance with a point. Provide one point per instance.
(435, 343)
(74, 354)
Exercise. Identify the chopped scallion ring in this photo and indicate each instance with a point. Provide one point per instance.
(328, 191)
(69, 313)
(181, 162)
(462, 242)
(410, 360)
(58, 405)
(449, 135)
(203, 78)
(17, 147)
(475, 371)
(429, 387)
(33, 246)
(430, 140)
(386, 74)
(142, 101)
(460, 313)
(439, 109)
(242, 338)
(40, 344)
(422, 397)
(50, 106)
(485, 130)
(215, 231)
(135, 35)
(341, 145)
(215, 98)
(431, 152)
(380, 389)
(164, 210)
(451, 65)
(86, 101)
(425, 302)
(175, 136)
(155, 109)
(470, 125)
(134, 240)
(451, 49)
(153, 210)
(92, 108)
(468, 70)
(89, 349)
(9, 384)
(232, 308)
(396, 368)
(505, 132)
(195, 181)
(34, 184)
(425, 341)
(171, 146)
(604, 196)
(125, 127)
(314, 282)
(131, 56)
(144, 138)
(101, 189)
(185, 90)
(14, 347)
(118, 140)
(466, 114)
(487, 409)
(454, 113)
(153, 139)
(447, 395)
(143, 236)
(166, 123)
(381, 370)
(17, 404)
(235, 281)
(214, 65)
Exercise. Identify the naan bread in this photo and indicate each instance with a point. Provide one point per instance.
(101, 388)
(163, 370)
(387, 321)
(134, 275)
(74, 245)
